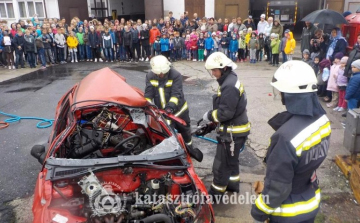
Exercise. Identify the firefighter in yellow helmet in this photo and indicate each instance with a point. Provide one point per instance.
(164, 89)
(297, 148)
(229, 114)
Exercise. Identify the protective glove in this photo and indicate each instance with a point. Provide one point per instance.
(205, 117)
(205, 129)
(169, 110)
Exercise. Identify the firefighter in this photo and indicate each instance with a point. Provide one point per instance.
(229, 115)
(297, 148)
(164, 88)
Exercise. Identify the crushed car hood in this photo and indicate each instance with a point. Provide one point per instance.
(105, 85)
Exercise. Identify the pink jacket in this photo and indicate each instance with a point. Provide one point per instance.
(332, 85)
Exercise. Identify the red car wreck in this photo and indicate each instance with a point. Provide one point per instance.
(112, 158)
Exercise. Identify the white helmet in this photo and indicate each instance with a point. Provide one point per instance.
(219, 60)
(295, 76)
(160, 65)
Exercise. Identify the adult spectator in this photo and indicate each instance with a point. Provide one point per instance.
(167, 29)
(178, 27)
(237, 26)
(155, 22)
(202, 25)
(319, 44)
(230, 26)
(337, 44)
(186, 15)
(354, 55)
(211, 26)
(226, 25)
(220, 25)
(249, 23)
(172, 19)
(267, 32)
(182, 20)
(277, 28)
(193, 25)
(307, 34)
(262, 24)
(196, 18)
(161, 24)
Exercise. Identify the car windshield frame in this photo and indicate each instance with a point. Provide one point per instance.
(154, 154)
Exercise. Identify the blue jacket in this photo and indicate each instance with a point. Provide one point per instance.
(233, 45)
(353, 88)
(1, 39)
(209, 43)
(113, 36)
(157, 46)
(164, 44)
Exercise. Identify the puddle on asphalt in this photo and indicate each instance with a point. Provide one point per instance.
(33, 89)
(49, 73)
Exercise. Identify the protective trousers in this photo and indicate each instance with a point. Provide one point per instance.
(226, 167)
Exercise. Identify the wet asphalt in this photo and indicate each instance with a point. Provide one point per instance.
(37, 94)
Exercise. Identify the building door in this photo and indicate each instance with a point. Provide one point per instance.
(195, 6)
(231, 11)
(154, 10)
(74, 12)
(232, 8)
(70, 8)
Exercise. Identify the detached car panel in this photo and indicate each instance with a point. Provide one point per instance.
(112, 158)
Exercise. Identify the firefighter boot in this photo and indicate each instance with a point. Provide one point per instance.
(216, 194)
(234, 184)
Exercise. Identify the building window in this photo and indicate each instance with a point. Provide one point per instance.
(6, 9)
(28, 9)
(99, 8)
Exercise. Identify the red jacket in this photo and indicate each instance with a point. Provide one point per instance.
(153, 34)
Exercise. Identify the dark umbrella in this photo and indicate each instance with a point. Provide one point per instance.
(325, 16)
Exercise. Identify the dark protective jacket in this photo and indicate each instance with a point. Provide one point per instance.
(229, 106)
(166, 92)
(297, 148)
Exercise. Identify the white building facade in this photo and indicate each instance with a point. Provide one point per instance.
(13, 10)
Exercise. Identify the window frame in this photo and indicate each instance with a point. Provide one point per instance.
(102, 8)
(6, 10)
(26, 2)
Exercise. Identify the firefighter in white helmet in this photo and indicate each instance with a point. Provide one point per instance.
(164, 89)
(229, 114)
(297, 148)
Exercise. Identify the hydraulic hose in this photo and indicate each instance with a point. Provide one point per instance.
(42, 124)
